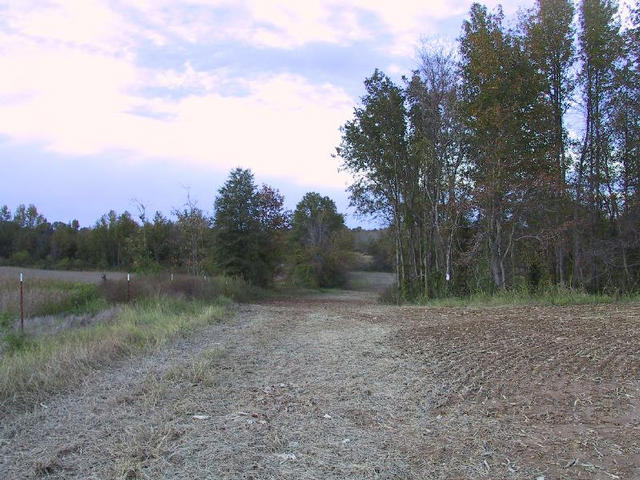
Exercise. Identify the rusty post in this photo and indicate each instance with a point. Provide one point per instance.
(21, 303)
(128, 287)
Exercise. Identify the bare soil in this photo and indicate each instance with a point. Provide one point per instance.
(338, 386)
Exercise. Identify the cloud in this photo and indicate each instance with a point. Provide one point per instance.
(72, 82)
(293, 23)
(78, 103)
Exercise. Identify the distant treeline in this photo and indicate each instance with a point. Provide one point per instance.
(249, 234)
(513, 162)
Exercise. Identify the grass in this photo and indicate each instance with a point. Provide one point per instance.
(48, 297)
(549, 296)
(33, 368)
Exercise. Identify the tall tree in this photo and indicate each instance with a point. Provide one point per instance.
(193, 229)
(317, 233)
(374, 149)
(549, 37)
(435, 136)
(600, 51)
(247, 223)
(501, 116)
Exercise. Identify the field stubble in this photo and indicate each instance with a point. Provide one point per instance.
(336, 386)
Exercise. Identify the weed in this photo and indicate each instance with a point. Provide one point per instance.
(5, 321)
(549, 296)
(18, 342)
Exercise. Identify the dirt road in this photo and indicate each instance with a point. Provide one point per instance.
(337, 386)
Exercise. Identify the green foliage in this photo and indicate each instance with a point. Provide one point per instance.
(321, 244)
(551, 295)
(38, 366)
(20, 258)
(6, 320)
(381, 251)
(472, 168)
(249, 226)
(17, 342)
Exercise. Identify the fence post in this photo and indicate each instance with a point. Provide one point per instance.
(21, 303)
(128, 287)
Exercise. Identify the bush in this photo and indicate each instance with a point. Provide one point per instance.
(391, 295)
(5, 320)
(18, 342)
(20, 258)
(207, 289)
(63, 264)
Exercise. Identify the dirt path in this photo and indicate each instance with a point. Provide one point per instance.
(321, 387)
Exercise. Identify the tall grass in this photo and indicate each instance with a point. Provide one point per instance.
(49, 297)
(181, 286)
(549, 296)
(45, 365)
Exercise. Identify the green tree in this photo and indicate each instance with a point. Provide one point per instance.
(193, 228)
(600, 51)
(502, 115)
(320, 242)
(248, 223)
(436, 149)
(549, 41)
(375, 150)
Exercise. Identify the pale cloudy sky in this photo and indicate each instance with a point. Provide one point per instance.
(107, 101)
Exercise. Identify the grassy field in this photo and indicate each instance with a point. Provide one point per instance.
(550, 296)
(307, 384)
(12, 273)
(75, 324)
(335, 385)
(35, 367)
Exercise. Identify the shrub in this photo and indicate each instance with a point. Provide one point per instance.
(20, 258)
(207, 289)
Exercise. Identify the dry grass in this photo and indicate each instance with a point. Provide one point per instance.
(337, 386)
(46, 297)
(12, 273)
(51, 364)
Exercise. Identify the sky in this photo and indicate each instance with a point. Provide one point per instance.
(111, 104)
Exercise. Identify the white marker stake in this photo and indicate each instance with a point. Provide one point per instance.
(21, 304)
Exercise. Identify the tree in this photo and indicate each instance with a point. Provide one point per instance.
(600, 50)
(435, 141)
(64, 241)
(248, 223)
(8, 231)
(501, 116)
(374, 149)
(320, 242)
(193, 231)
(549, 41)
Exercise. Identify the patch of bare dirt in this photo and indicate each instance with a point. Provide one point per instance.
(337, 386)
(553, 387)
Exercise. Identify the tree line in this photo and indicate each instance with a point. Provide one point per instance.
(249, 234)
(513, 161)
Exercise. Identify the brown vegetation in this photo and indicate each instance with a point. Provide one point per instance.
(338, 386)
